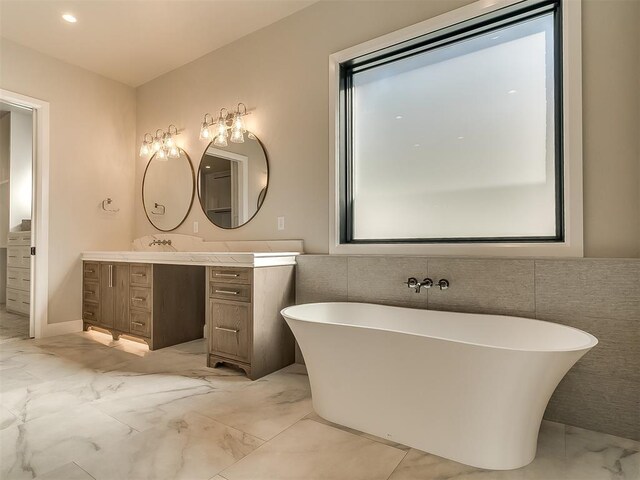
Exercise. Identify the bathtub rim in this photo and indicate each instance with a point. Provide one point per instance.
(593, 341)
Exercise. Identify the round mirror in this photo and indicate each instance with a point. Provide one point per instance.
(232, 181)
(168, 188)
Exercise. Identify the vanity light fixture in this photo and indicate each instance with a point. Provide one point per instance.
(162, 144)
(218, 130)
(67, 17)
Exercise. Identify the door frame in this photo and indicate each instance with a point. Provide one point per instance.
(39, 210)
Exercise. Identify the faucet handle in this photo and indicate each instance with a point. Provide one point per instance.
(412, 282)
(443, 284)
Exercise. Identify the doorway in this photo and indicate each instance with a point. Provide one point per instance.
(23, 220)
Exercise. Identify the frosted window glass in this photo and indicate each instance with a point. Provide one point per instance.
(458, 142)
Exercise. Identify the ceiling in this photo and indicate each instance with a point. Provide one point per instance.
(134, 41)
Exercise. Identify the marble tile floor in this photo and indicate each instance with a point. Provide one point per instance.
(82, 406)
(12, 326)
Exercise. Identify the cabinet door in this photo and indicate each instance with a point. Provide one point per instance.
(121, 286)
(230, 329)
(107, 294)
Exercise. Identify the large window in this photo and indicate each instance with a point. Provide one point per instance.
(456, 135)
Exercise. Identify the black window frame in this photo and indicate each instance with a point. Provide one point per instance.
(483, 24)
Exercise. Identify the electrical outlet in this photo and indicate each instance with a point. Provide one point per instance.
(195, 227)
(280, 223)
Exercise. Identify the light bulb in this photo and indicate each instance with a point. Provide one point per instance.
(156, 145)
(237, 136)
(205, 131)
(169, 142)
(174, 152)
(221, 140)
(144, 149)
(238, 123)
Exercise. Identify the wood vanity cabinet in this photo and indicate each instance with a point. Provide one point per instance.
(244, 324)
(160, 304)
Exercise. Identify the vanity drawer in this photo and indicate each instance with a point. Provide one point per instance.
(19, 238)
(140, 298)
(140, 275)
(91, 271)
(14, 277)
(90, 291)
(19, 256)
(228, 291)
(12, 302)
(230, 275)
(229, 334)
(140, 322)
(90, 312)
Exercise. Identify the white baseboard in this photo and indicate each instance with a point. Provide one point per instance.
(62, 328)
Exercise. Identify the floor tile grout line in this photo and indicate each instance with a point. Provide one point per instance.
(265, 442)
(396, 467)
(76, 464)
(379, 440)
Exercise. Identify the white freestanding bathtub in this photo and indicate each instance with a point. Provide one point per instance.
(470, 388)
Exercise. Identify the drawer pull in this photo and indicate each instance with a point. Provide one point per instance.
(231, 330)
(232, 275)
(138, 274)
(89, 271)
(90, 292)
(89, 314)
(139, 299)
(228, 292)
(140, 324)
(13, 299)
(13, 278)
(12, 256)
(26, 303)
(26, 257)
(24, 279)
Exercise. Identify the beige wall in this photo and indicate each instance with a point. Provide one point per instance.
(611, 103)
(281, 71)
(92, 125)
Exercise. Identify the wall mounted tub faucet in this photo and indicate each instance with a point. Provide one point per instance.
(412, 282)
(160, 242)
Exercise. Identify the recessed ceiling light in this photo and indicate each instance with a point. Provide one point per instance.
(416, 144)
(460, 138)
(398, 117)
(207, 166)
(69, 18)
(512, 91)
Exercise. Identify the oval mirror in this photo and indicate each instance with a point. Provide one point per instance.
(168, 188)
(233, 181)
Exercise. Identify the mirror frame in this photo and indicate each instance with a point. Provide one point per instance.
(265, 189)
(193, 191)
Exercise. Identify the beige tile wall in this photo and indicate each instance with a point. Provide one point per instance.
(601, 392)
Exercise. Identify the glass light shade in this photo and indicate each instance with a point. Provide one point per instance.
(221, 140)
(237, 136)
(169, 142)
(156, 145)
(174, 152)
(238, 123)
(161, 154)
(144, 149)
(205, 131)
(221, 127)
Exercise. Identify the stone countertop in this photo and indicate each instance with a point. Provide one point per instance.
(218, 259)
